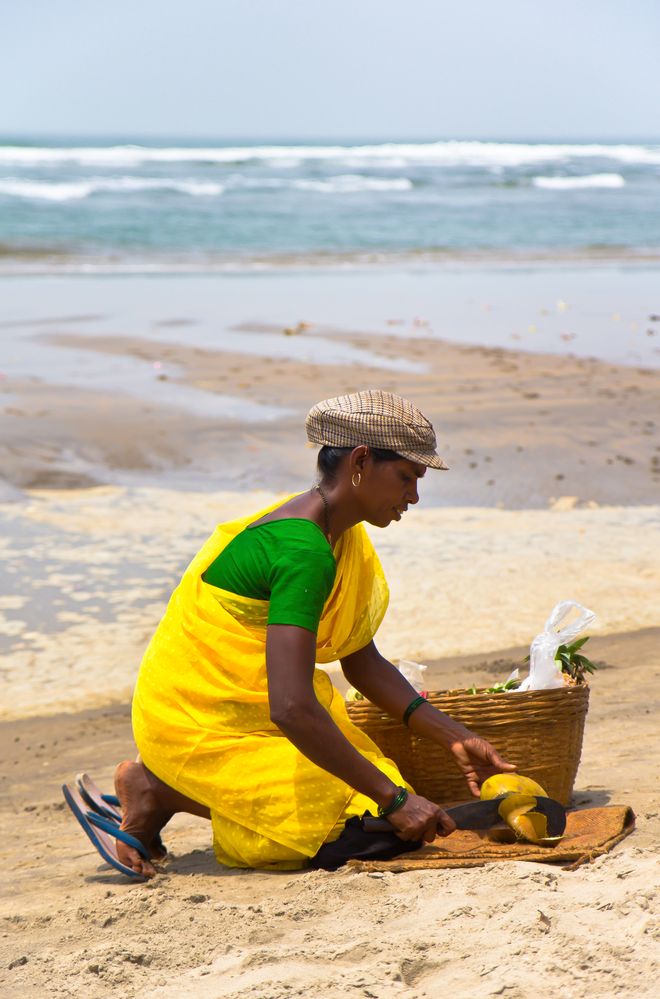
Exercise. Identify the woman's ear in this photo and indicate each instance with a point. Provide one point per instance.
(360, 455)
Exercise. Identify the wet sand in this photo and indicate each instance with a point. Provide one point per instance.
(517, 429)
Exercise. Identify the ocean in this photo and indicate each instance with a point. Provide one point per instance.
(177, 206)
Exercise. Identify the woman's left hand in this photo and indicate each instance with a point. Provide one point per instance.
(476, 758)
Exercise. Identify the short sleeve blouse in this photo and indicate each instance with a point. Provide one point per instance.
(287, 562)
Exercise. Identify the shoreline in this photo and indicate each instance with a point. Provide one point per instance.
(35, 262)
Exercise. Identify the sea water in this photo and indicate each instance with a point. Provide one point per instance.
(545, 247)
(181, 206)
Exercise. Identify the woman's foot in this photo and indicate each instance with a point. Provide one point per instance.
(144, 812)
(147, 805)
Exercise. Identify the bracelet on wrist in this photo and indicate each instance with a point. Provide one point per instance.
(414, 704)
(397, 802)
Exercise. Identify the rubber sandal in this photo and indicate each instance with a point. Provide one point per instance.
(108, 805)
(105, 804)
(104, 833)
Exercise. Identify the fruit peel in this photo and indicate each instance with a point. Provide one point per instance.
(501, 784)
(518, 805)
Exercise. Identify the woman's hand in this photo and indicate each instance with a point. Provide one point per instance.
(419, 819)
(382, 684)
(476, 758)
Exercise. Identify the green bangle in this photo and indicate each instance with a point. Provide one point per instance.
(399, 800)
(417, 703)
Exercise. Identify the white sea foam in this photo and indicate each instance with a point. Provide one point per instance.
(446, 153)
(77, 189)
(83, 188)
(579, 183)
(339, 184)
(379, 162)
(284, 163)
(353, 184)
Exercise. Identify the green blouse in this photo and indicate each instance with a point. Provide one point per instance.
(287, 562)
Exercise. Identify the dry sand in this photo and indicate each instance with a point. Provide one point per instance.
(72, 927)
(553, 493)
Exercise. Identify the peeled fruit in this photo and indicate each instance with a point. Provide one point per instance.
(533, 827)
(542, 822)
(514, 805)
(500, 784)
(519, 813)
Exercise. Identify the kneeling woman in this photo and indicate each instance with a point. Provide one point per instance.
(231, 718)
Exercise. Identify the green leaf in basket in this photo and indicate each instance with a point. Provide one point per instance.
(572, 662)
(499, 688)
(578, 645)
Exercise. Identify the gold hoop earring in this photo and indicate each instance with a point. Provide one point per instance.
(359, 479)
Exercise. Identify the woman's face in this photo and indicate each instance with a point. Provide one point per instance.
(388, 488)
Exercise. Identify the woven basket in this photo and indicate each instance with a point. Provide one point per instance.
(540, 731)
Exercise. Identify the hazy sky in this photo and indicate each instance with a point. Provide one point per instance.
(576, 69)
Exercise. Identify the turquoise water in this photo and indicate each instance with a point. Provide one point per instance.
(181, 206)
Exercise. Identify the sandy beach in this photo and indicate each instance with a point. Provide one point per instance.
(71, 925)
(553, 493)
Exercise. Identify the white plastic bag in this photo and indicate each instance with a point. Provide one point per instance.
(544, 671)
(413, 674)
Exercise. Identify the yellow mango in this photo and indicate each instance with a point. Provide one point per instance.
(518, 811)
(514, 805)
(534, 828)
(500, 784)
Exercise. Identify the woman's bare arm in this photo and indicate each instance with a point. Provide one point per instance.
(294, 708)
(383, 684)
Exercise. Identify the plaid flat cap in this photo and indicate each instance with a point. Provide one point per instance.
(377, 418)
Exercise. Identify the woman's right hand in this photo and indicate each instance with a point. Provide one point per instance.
(419, 819)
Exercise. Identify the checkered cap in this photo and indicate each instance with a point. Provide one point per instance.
(377, 418)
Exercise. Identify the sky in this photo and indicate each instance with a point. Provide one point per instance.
(351, 69)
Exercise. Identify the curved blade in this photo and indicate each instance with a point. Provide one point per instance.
(554, 813)
(485, 814)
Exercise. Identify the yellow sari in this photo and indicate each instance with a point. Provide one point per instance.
(201, 718)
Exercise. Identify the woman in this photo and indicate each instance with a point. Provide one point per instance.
(231, 718)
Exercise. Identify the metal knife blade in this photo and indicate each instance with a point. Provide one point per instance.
(484, 815)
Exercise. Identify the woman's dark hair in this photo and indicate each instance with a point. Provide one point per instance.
(330, 458)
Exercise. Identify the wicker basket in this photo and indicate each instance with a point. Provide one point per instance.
(540, 731)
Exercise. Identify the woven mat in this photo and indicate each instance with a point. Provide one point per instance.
(590, 832)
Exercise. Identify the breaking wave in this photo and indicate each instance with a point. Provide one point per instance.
(610, 180)
(445, 153)
(76, 189)
(82, 188)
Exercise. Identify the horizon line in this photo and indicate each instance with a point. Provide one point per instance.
(318, 139)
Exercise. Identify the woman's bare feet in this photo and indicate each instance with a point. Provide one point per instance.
(143, 815)
(147, 805)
